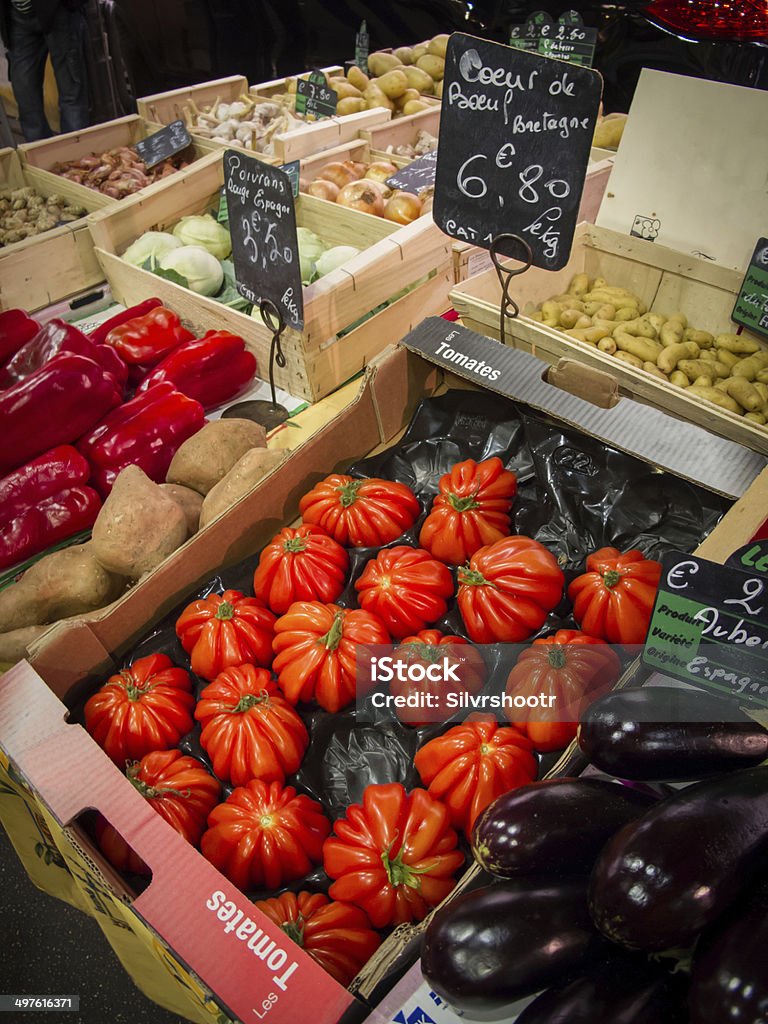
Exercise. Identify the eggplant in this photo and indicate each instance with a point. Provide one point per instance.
(487, 948)
(670, 733)
(557, 826)
(666, 876)
(729, 980)
(626, 991)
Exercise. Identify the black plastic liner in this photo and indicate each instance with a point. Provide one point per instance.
(575, 494)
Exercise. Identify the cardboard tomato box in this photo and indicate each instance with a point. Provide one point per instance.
(191, 939)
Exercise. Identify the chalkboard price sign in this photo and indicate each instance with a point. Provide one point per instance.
(566, 39)
(262, 223)
(313, 96)
(362, 47)
(751, 309)
(710, 625)
(169, 141)
(416, 176)
(515, 134)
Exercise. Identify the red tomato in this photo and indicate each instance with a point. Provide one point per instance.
(304, 564)
(360, 513)
(394, 855)
(143, 708)
(178, 788)
(316, 652)
(406, 587)
(614, 598)
(471, 510)
(470, 765)
(337, 935)
(571, 668)
(249, 730)
(428, 647)
(225, 630)
(265, 835)
(507, 590)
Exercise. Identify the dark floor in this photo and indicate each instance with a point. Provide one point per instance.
(49, 948)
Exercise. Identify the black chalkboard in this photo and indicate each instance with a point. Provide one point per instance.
(751, 309)
(515, 134)
(710, 626)
(416, 176)
(169, 141)
(262, 222)
(314, 96)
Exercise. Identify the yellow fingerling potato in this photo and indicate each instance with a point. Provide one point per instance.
(350, 105)
(570, 317)
(724, 356)
(643, 349)
(672, 333)
(672, 354)
(679, 318)
(762, 376)
(751, 366)
(755, 417)
(716, 397)
(735, 343)
(762, 390)
(638, 327)
(704, 381)
(579, 285)
(694, 368)
(702, 338)
(628, 357)
(605, 343)
(579, 335)
(680, 379)
(656, 320)
(627, 313)
(746, 395)
(653, 368)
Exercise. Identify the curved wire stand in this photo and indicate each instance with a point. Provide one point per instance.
(273, 320)
(509, 308)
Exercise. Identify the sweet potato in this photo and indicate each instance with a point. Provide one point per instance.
(242, 478)
(190, 502)
(61, 584)
(209, 454)
(14, 644)
(138, 526)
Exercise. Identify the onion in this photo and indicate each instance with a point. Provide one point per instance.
(380, 170)
(378, 186)
(359, 195)
(403, 208)
(357, 168)
(340, 174)
(323, 189)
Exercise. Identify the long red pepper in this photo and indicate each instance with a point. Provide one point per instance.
(16, 328)
(148, 338)
(52, 519)
(55, 337)
(213, 369)
(99, 334)
(51, 472)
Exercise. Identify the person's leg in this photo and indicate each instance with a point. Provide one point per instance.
(66, 43)
(26, 66)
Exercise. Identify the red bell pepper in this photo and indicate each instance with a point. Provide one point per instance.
(211, 369)
(54, 518)
(146, 339)
(99, 334)
(59, 336)
(51, 472)
(144, 432)
(56, 404)
(16, 328)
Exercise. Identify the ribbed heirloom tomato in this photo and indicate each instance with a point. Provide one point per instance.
(265, 835)
(337, 935)
(360, 513)
(142, 708)
(426, 648)
(470, 765)
(178, 788)
(394, 855)
(316, 652)
(507, 589)
(471, 510)
(225, 630)
(302, 564)
(406, 587)
(249, 730)
(614, 598)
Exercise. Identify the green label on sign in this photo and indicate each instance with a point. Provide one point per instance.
(751, 309)
(293, 170)
(710, 625)
(566, 39)
(313, 96)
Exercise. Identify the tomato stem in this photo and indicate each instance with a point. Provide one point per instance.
(295, 544)
(462, 504)
(348, 492)
(332, 638)
(556, 655)
(248, 701)
(294, 930)
(399, 873)
(471, 577)
(225, 611)
(418, 651)
(152, 792)
(132, 689)
(611, 578)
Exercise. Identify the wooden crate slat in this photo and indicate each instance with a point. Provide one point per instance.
(165, 107)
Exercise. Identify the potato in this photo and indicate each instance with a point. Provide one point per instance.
(694, 368)
(702, 338)
(380, 63)
(608, 132)
(357, 77)
(627, 313)
(679, 378)
(679, 318)
(408, 95)
(209, 454)
(438, 44)
(727, 358)
(344, 89)
(672, 354)
(754, 417)
(190, 502)
(374, 97)
(241, 479)
(64, 583)
(643, 349)
(750, 366)
(579, 335)
(672, 334)
(705, 381)
(418, 79)
(762, 376)
(628, 357)
(605, 344)
(415, 107)
(393, 84)
(656, 320)
(579, 285)
(748, 397)
(573, 318)
(404, 54)
(434, 66)
(762, 390)
(14, 644)
(138, 526)
(716, 397)
(419, 51)
(653, 368)
(735, 343)
(439, 89)
(350, 105)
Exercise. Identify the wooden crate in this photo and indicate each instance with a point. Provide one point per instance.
(39, 157)
(359, 151)
(165, 107)
(667, 280)
(402, 131)
(318, 360)
(54, 265)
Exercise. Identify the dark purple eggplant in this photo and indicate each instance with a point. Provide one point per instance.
(626, 991)
(666, 876)
(670, 733)
(729, 981)
(487, 948)
(557, 826)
